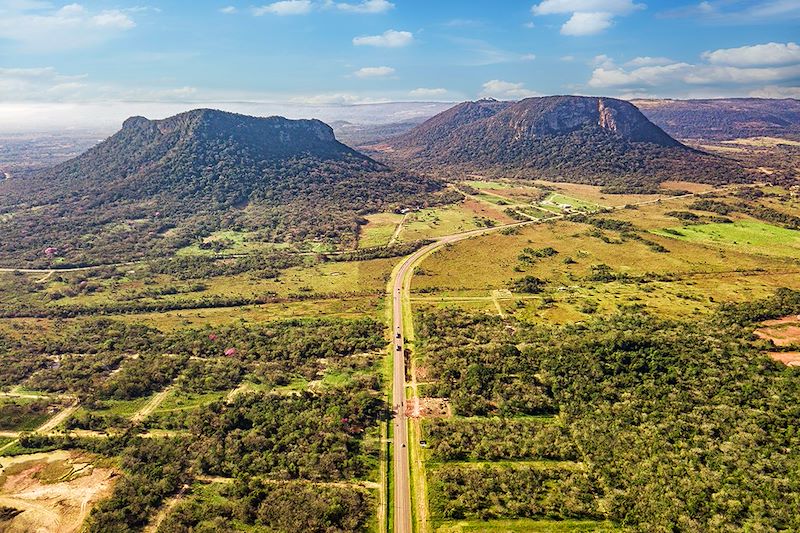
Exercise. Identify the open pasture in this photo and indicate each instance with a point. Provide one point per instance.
(748, 236)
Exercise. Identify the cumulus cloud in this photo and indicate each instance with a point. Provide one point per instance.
(586, 23)
(228, 10)
(366, 6)
(747, 70)
(769, 54)
(423, 92)
(388, 39)
(40, 27)
(374, 72)
(587, 17)
(647, 61)
(528, 57)
(506, 90)
(284, 8)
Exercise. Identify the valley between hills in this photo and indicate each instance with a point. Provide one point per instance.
(554, 315)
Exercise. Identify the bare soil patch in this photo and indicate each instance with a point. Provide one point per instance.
(787, 358)
(782, 332)
(55, 491)
(434, 408)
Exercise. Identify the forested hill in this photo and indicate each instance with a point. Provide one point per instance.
(725, 118)
(158, 185)
(573, 138)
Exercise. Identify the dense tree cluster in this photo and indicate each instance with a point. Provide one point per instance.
(680, 424)
(488, 492)
(282, 507)
(487, 375)
(498, 438)
(154, 470)
(307, 436)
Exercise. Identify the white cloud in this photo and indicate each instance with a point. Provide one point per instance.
(734, 70)
(581, 23)
(588, 17)
(423, 92)
(40, 27)
(284, 7)
(506, 90)
(374, 72)
(647, 61)
(388, 39)
(528, 57)
(229, 10)
(556, 7)
(769, 54)
(611, 76)
(567, 58)
(602, 60)
(706, 75)
(366, 6)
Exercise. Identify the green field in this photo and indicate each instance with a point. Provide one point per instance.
(576, 203)
(744, 235)
(437, 222)
(229, 242)
(379, 229)
(526, 526)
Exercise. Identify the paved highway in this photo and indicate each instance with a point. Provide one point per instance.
(402, 485)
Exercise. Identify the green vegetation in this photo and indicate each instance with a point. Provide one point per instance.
(25, 414)
(200, 179)
(645, 403)
(746, 235)
(379, 229)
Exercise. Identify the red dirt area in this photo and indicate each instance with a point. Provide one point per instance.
(782, 332)
(787, 358)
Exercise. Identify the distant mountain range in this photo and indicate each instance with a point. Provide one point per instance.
(158, 185)
(573, 138)
(724, 118)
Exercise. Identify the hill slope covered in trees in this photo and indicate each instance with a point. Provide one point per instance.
(158, 185)
(724, 118)
(571, 138)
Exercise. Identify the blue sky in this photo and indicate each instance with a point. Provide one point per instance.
(359, 51)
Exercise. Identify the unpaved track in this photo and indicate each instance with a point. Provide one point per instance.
(150, 406)
(51, 424)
